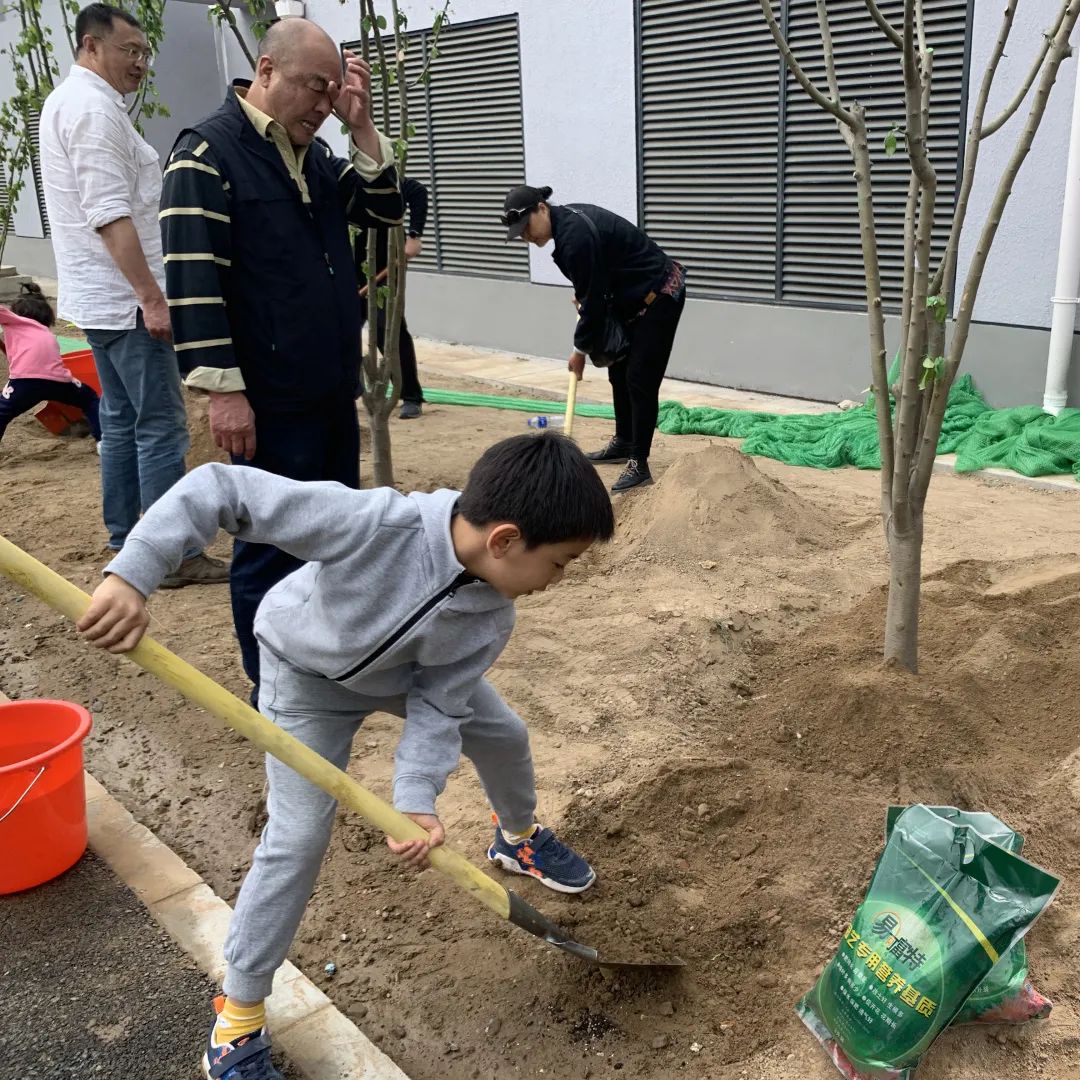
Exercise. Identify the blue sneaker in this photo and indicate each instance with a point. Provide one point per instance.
(248, 1058)
(545, 858)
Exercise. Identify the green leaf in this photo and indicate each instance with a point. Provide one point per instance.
(410, 130)
(890, 143)
(402, 19)
(382, 294)
(933, 366)
(365, 24)
(937, 305)
(380, 21)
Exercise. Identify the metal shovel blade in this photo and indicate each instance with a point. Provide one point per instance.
(528, 918)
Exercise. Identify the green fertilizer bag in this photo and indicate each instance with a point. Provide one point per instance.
(1006, 995)
(944, 905)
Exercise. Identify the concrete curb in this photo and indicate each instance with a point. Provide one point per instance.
(319, 1040)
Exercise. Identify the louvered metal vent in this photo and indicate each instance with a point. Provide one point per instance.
(749, 181)
(468, 147)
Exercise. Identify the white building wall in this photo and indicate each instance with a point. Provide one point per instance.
(577, 95)
(1019, 278)
(579, 111)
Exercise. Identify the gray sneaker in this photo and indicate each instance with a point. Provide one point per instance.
(198, 570)
(410, 410)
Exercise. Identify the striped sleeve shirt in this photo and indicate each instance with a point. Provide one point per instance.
(196, 238)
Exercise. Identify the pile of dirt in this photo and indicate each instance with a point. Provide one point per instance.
(716, 504)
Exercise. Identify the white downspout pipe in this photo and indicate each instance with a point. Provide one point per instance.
(1067, 287)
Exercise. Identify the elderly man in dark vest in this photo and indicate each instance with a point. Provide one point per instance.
(262, 290)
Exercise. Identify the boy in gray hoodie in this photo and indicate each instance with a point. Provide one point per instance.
(403, 604)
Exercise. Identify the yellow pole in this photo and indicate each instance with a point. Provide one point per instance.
(60, 594)
(571, 401)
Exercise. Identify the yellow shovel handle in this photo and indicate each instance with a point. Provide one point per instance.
(571, 401)
(60, 594)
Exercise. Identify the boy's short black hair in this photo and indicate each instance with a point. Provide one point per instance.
(97, 21)
(31, 304)
(544, 485)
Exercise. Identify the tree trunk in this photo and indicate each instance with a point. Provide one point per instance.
(902, 612)
(382, 461)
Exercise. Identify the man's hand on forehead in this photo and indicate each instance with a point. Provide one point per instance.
(352, 99)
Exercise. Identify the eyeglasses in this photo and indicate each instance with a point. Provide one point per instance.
(512, 217)
(132, 52)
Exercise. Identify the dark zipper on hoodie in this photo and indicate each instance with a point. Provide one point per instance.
(464, 578)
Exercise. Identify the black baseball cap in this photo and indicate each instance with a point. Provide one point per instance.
(519, 203)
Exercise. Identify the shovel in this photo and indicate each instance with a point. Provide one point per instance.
(62, 596)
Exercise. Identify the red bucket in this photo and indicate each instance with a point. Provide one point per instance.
(57, 417)
(42, 795)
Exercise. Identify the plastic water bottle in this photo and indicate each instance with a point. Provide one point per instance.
(546, 421)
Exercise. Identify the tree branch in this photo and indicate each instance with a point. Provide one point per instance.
(229, 18)
(943, 279)
(830, 67)
(860, 151)
(886, 27)
(1018, 100)
(1059, 50)
(384, 72)
(437, 27)
(909, 258)
(843, 115)
(916, 87)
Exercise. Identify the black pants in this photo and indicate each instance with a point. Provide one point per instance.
(410, 377)
(635, 382)
(323, 444)
(21, 395)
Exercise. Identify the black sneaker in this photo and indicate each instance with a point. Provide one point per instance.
(636, 472)
(615, 451)
(410, 410)
(248, 1058)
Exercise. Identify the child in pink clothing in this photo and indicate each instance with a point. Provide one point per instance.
(35, 371)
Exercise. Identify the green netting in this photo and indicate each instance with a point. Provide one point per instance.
(529, 405)
(1025, 439)
(71, 344)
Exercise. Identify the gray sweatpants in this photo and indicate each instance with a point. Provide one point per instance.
(325, 716)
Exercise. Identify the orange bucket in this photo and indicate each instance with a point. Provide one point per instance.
(42, 795)
(57, 417)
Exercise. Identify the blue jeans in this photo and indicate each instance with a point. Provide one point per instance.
(322, 444)
(144, 434)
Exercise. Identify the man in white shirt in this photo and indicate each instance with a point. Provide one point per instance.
(102, 186)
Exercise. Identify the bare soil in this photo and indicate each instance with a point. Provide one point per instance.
(712, 726)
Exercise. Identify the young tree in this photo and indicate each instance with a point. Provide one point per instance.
(930, 357)
(382, 374)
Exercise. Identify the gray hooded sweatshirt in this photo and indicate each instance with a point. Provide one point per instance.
(381, 606)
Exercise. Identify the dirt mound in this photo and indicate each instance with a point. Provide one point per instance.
(717, 503)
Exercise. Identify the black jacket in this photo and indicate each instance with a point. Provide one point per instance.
(416, 199)
(626, 265)
(269, 277)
